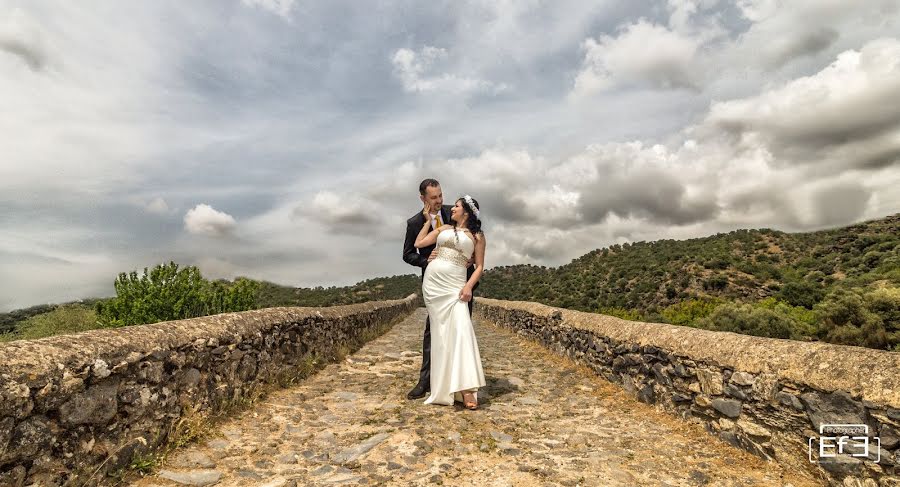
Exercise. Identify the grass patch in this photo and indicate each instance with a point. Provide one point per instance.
(63, 320)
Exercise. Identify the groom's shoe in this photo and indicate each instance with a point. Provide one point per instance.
(418, 392)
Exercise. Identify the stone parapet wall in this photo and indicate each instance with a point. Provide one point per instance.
(91, 402)
(765, 395)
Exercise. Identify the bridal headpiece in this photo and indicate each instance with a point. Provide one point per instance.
(471, 204)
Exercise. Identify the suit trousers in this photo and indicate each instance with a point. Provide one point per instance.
(425, 371)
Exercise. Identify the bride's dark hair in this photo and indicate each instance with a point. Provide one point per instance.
(473, 224)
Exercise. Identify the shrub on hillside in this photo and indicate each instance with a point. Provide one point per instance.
(624, 313)
(861, 318)
(801, 293)
(750, 320)
(689, 311)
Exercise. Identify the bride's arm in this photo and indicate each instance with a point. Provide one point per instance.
(466, 293)
(427, 238)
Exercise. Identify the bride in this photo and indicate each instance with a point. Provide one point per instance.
(455, 362)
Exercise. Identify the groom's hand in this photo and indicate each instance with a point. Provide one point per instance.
(432, 256)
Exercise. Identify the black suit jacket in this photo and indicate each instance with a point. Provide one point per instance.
(419, 257)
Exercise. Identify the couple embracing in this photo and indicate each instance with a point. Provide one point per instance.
(448, 244)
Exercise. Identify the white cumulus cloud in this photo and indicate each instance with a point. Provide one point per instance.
(206, 220)
(643, 53)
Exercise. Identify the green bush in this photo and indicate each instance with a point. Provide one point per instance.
(688, 312)
(715, 283)
(750, 320)
(624, 313)
(862, 318)
(167, 293)
(801, 293)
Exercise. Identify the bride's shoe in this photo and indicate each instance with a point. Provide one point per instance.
(470, 400)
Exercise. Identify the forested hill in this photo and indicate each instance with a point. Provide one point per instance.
(683, 281)
(840, 285)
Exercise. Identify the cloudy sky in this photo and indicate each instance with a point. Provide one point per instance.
(284, 139)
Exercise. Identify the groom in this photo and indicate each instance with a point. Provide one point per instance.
(432, 199)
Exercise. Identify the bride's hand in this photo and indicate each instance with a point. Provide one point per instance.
(466, 294)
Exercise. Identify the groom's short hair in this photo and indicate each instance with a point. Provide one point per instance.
(426, 183)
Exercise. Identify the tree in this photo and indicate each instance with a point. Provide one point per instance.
(167, 293)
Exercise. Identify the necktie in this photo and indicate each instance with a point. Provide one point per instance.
(437, 219)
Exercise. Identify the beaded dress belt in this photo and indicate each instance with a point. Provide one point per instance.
(453, 255)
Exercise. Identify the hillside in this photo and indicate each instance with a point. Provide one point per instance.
(652, 280)
(840, 285)
(743, 265)
(377, 289)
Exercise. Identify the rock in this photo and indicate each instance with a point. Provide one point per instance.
(352, 454)
(833, 408)
(710, 381)
(278, 481)
(321, 470)
(753, 429)
(15, 399)
(735, 392)
(326, 438)
(646, 394)
(765, 386)
(841, 464)
(501, 437)
(787, 399)
(889, 436)
(100, 369)
(730, 438)
(193, 477)
(742, 379)
(192, 459)
(346, 396)
(30, 437)
(248, 474)
(218, 444)
(681, 371)
(190, 378)
(702, 400)
(678, 397)
(662, 374)
(728, 407)
(6, 430)
(97, 405)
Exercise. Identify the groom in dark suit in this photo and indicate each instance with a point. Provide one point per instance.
(432, 199)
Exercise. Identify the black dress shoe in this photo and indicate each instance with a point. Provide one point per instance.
(418, 392)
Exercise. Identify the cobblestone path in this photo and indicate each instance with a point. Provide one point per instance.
(543, 420)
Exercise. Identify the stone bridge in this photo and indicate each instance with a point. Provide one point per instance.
(307, 396)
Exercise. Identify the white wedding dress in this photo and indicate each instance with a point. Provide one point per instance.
(455, 361)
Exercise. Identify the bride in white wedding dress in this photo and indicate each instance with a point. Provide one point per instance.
(456, 371)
